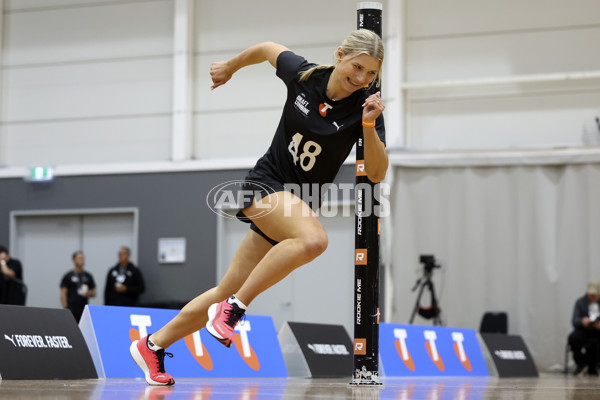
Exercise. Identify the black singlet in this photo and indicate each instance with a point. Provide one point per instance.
(315, 134)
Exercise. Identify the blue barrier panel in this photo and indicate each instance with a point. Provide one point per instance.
(110, 330)
(412, 350)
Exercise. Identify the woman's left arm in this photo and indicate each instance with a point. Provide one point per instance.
(376, 159)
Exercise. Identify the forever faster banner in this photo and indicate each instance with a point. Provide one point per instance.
(42, 343)
(110, 330)
(413, 350)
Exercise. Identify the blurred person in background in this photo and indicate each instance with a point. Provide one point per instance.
(77, 286)
(584, 339)
(124, 282)
(11, 279)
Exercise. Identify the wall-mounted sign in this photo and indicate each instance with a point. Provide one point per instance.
(171, 250)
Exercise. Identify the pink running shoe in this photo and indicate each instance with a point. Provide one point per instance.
(222, 319)
(151, 362)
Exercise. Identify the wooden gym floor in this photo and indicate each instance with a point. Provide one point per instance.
(547, 387)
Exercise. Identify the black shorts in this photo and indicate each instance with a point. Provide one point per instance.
(257, 188)
(261, 233)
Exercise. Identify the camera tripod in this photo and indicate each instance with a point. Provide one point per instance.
(433, 311)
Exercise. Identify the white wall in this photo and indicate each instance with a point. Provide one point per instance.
(515, 42)
(91, 81)
(86, 82)
(246, 110)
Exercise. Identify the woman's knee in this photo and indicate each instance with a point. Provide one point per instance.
(314, 243)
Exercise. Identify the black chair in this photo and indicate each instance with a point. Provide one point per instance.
(568, 350)
(494, 322)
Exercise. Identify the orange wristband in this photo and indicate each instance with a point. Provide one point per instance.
(368, 124)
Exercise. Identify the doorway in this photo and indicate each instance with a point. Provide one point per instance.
(44, 241)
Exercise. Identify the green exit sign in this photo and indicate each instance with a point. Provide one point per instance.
(40, 174)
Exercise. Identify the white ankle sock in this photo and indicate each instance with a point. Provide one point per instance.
(152, 346)
(235, 300)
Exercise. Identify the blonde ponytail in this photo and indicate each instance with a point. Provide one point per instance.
(304, 75)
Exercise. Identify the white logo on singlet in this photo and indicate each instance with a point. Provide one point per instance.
(302, 104)
(337, 126)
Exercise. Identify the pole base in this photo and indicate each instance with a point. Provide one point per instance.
(363, 377)
(374, 385)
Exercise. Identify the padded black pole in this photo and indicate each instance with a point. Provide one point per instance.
(366, 231)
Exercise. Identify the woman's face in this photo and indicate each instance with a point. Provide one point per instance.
(356, 72)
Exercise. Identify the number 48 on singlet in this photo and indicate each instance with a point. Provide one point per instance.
(310, 151)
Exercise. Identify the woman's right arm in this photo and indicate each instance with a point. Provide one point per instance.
(221, 71)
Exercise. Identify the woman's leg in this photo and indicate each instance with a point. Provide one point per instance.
(301, 239)
(193, 316)
(257, 265)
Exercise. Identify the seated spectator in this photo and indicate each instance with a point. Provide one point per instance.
(124, 282)
(77, 286)
(11, 279)
(584, 339)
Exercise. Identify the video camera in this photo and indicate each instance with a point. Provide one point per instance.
(428, 261)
